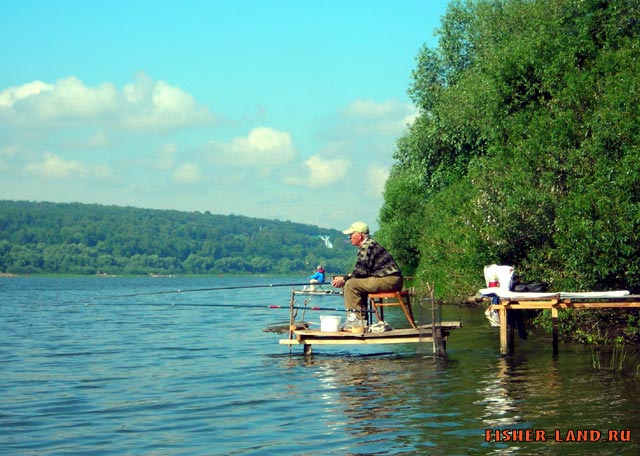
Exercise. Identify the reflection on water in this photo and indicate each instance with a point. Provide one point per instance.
(557, 398)
(381, 401)
(501, 408)
(410, 403)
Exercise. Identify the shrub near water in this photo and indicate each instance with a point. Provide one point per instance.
(526, 152)
(595, 326)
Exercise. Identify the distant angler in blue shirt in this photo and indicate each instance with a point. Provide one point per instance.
(316, 278)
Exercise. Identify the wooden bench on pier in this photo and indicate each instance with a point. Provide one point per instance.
(509, 301)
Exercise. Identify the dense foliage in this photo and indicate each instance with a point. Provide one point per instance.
(90, 239)
(526, 150)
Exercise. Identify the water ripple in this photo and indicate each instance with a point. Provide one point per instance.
(165, 379)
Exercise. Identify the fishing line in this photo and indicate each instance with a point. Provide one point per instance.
(274, 327)
(244, 306)
(192, 290)
(337, 309)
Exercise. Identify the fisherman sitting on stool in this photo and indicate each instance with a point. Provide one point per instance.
(375, 272)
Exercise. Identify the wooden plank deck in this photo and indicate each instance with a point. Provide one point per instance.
(424, 333)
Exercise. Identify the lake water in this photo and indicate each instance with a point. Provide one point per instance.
(193, 373)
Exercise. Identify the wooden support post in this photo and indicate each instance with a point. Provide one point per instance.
(291, 316)
(554, 331)
(439, 343)
(307, 349)
(503, 331)
(436, 335)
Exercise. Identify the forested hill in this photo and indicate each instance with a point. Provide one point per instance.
(93, 239)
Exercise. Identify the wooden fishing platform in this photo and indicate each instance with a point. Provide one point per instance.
(510, 301)
(434, 334)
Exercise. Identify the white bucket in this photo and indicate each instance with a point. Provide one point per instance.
(329, 323)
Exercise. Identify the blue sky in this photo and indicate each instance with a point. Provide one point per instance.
(276, 109)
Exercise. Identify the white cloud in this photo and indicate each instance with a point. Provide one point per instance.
(151, 105)
(371, 109)
(55, 167)
(10, 96)
(144, 105)
(263, 147)
(66, 101)
(371, 118)
(187, 174)
(321, 172)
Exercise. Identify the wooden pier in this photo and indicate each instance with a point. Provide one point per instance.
(553, 302)
(434, 334)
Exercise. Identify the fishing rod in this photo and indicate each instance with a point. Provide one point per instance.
(192, 290)
(337, 309)
(244, 306)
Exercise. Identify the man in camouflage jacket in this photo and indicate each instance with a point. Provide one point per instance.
(375, 272)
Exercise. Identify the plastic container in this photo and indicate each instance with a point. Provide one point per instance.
(329, 323)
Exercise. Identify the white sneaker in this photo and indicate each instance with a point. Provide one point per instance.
(379, 327)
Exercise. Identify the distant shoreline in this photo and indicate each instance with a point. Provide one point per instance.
(151, 276)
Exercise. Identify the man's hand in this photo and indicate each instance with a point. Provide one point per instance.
(337, 282)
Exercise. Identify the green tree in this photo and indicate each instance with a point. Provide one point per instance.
(526, 148)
